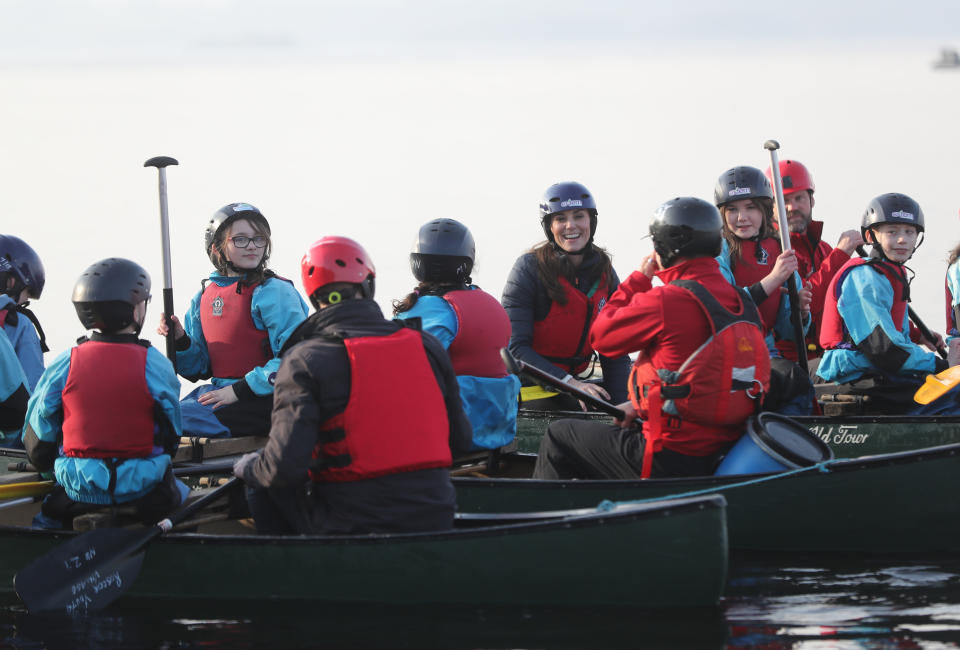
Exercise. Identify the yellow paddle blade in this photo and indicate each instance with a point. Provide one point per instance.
(936, 385)
(530, 393)
(27, 489)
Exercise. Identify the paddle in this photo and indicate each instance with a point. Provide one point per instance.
(161, 163)
(92, 570)
(799, 338)
(518, 367)
(936, 385)
(924, 330)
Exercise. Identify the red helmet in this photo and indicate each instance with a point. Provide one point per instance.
(336, 259)
(795, 177)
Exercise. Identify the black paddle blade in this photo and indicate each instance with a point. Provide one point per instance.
(85, 574)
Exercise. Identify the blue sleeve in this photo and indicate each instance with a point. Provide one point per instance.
(11, 373)
(953, 286)
(723, 259)
(45, 409)
(784, 325)
(26, 344)
(865, 303)
(277, 308)
(165, 387)
(194, 362)
(436, 317)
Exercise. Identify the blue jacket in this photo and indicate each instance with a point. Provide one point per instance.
(13, 388)
(23, 336)
(276, 307)
(783, 329)
(865, 303)
(489, 402)
(953, 286)
(87, 480)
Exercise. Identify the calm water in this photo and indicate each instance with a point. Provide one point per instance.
(800, 603)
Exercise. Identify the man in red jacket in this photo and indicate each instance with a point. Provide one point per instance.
(702, 365)
(818, 262)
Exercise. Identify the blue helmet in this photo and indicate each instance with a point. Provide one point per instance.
(18, 259)
(567, 196)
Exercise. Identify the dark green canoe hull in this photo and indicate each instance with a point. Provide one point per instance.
(848, 436)
(897, 503)
(670, 554)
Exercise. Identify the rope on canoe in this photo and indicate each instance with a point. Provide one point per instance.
(824, 466)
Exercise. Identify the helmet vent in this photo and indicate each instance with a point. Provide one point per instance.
(340, 262)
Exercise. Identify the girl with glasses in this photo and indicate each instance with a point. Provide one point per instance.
(234, 328)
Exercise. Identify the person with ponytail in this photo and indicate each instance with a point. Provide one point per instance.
(554, 293)
(470, 324)
(236, 324)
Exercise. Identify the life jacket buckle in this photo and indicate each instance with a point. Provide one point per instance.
(755, 391)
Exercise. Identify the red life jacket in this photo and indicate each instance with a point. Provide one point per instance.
(396, 419)
(107, 405)
(234, 344)
(749, 270)
(832, 330)
(3, 316)
(720, 384)
(483, 328)
(562, 337)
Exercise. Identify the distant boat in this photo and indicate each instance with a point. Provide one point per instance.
(949, 58)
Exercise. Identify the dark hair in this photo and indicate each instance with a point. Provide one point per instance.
(766, 229)
(551, 266)
(254, 276)
(427, 288)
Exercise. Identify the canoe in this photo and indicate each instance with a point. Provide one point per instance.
(849, 436)
(892, 503)
(655, 555)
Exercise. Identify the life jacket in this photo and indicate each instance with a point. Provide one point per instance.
(396, 418)
(234, 344)
(756, 261)
(108, 411)
(562, 337)
(721, 383)
(483, 328)
(832, 330)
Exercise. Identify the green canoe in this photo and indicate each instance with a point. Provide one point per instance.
(850, 436)
(893, 503)
(656, 555)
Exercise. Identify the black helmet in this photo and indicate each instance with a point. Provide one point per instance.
(227, 215)
(107, 292)
(567, 196)
(892, 208)
(20, 260)
(443, 252)
(741, 183)
(686, 227)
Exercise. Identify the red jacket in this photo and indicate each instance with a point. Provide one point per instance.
(668, 324)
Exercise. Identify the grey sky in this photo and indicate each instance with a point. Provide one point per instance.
(96, 30)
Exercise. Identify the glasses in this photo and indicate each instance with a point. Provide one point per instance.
(241, 241)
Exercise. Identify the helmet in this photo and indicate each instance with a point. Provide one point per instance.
(443, 252)
(741, 183)
(18, 258)
(337, 259)
(892, 208)
(107, 292)
(794, 175)
(567, 196)
(227, 215)
(686, 227)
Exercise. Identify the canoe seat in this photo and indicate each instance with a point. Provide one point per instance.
(107, 517)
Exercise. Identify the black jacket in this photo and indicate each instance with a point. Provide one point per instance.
(312, 386)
